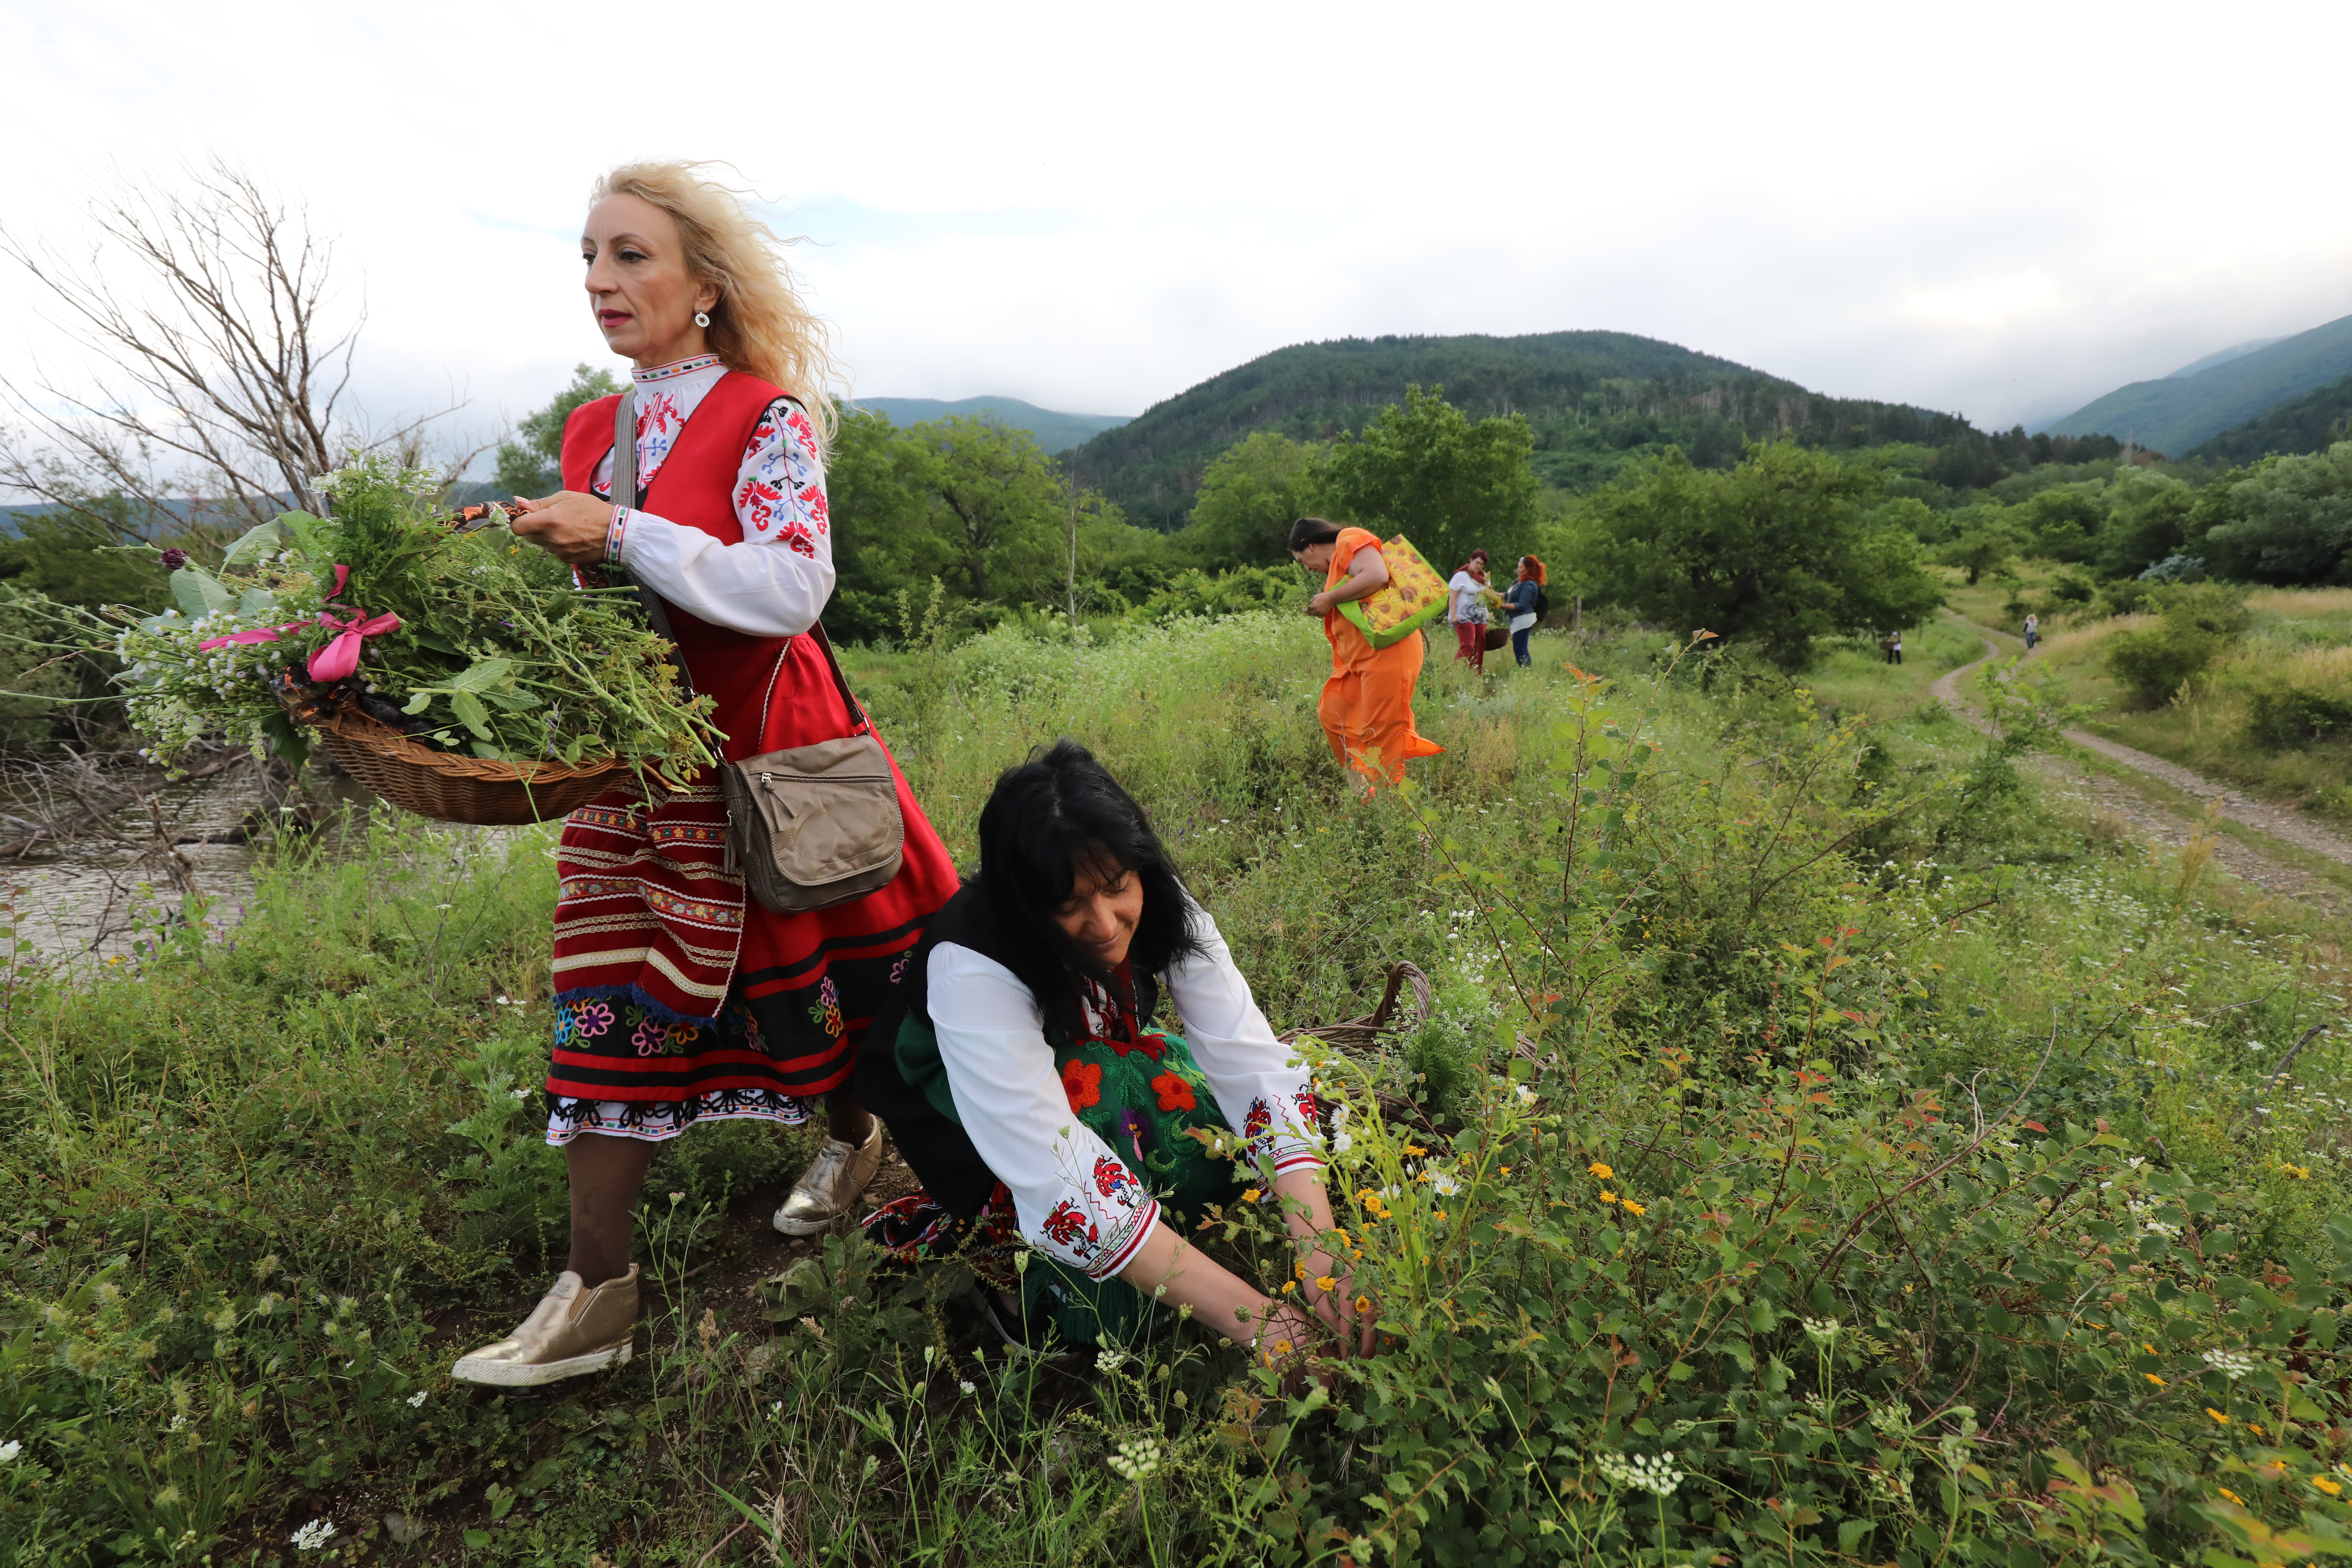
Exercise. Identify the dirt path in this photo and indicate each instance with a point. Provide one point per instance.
(2170, 828)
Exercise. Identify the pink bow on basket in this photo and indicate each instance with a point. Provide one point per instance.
(340, 656)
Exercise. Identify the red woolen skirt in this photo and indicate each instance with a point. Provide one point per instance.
(678, 997)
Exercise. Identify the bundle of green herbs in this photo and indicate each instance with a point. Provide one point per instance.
(469, 640)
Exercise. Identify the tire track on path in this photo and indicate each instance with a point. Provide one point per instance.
(2168, 826)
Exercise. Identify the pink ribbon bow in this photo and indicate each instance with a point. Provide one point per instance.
(340, 656)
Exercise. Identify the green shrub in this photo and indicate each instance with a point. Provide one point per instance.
(2198, 621)
(2283, 715)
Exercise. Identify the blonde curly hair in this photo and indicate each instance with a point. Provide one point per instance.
(759, 326)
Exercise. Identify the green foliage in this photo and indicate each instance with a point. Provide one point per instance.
(1774, 555)
(1421, 468)
(1250, 495)
(2311, 422)
(532, 463)
(2198, 621)
(2285, 521)
(1903, 1183)
(483, 640)
(2283, 713)
(979, 506)
(1981, 551)
(1197, 593)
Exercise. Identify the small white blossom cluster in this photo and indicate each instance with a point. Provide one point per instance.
(1822, 1331)
(1137, 1457)
(9, 1450)
(1641, 1472)
(2231, 1365)
(1109, 1362)
(313, 1536)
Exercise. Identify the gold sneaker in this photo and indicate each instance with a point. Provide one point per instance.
(573, 1330)
(834, 1182)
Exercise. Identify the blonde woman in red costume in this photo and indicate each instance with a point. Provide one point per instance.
(678, 1000)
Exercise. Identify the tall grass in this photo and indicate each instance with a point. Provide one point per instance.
(1801, 1097)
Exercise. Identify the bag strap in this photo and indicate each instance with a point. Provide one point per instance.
(624, 482)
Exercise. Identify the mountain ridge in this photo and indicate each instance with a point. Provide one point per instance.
(2176, 413)
(1057, 431)
(1594, 400)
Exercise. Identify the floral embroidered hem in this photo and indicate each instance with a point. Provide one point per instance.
(655, 1121)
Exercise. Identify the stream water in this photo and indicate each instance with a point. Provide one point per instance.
(97, 895)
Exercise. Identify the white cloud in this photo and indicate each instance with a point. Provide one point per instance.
(2004, 211)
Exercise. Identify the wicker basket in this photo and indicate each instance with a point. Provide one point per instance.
(448, 788)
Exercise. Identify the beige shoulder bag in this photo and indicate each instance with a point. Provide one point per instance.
(808, 826)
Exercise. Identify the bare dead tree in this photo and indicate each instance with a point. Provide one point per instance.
(221, 364)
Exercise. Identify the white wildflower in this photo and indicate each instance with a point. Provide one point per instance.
(1822, 1331)
(1658, 1475)
(1444, 1186)
(1137, 1457)
(9, 1450)
(1109, 1362)
(416, 1399)
(2231, 1365)
(313, 1536)
(967, 1387)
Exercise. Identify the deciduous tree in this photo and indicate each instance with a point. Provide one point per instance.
(1423, 469)
(1777, 552)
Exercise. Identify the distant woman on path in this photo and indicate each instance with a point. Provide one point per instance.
(1467, 611)
(1023, 1083)
(1895, 649)
(2032, 630)
(1367, 704)
(1522, 600)
(678, 1000)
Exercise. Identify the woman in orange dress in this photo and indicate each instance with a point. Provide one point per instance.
(1367, 705)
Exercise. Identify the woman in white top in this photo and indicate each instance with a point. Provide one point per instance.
(1467, 610)
(1023, 1083)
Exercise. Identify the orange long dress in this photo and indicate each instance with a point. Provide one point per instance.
(1367, 705)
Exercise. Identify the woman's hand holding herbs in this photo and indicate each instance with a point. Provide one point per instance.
(569, 525)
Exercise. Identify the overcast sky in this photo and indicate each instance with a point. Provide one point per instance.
(2001, 209)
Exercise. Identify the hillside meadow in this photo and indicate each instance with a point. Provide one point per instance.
(1819, 1149)
(2246, 717)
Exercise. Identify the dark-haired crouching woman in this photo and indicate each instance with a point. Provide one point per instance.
(1024, 1085)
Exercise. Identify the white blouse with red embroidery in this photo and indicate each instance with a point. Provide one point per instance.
(774, 584)
(1013, 1107)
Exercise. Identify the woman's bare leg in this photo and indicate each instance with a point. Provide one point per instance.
(607, 1175)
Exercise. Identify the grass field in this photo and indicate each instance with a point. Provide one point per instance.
(1820, 1150)
(2300, 637)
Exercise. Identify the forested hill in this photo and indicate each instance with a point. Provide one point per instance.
(2182, 411)
(2306, 423)
(1595, 399)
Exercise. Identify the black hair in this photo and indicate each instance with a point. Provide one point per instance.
(1309, 530)
(1046, 817)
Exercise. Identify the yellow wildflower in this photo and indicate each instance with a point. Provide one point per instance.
(2300, 1173)
(1607, 1196)
(2232, 1496)
(2323, 1484)
(1637, 1210)
(2217, 1415)
(1249, 1194)
(1324, 1283)
(2148, 1347)
(1414, 1149)
(1289, 1286)
(2155, 1380)
(2256, 1427)
(1599, 1170)
(1505, 1170)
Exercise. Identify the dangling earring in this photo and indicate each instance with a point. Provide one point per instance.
(702, 318)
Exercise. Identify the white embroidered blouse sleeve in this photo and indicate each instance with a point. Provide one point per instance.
(1260, 1086)
(1078, 1201)
(774, 584)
